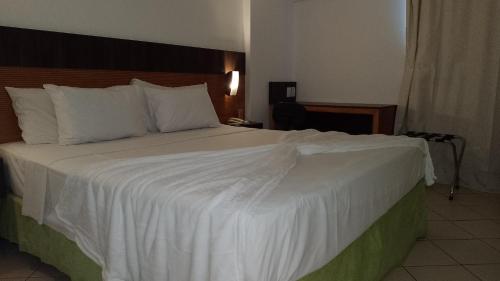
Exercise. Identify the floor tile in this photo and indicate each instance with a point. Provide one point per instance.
(455, 211)
(433, 216)
(426, 253)
(471, 199)
(445, 189)
(488, 211)
(440, 188)
(465, 190)
(398, 274)
(446, 230)
(487, 272)
(469, 251)
(441, 273)
(481, 228)
(432, 198)
(48, 272)
(17, 265)
(495, 243)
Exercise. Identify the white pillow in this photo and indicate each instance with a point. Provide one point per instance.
(151, 121)
(182, 108)
(145, 84)
(91, 115)
(35, 115)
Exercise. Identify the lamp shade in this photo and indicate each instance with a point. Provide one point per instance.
(234, 81)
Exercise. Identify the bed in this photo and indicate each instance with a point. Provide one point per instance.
(369, 191)
(349, 215)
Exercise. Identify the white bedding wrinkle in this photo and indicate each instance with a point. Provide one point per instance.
(314, 142)
(136, 210)
(197, 216)
(43, 168)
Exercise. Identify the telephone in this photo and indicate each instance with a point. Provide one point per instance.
(233, 121)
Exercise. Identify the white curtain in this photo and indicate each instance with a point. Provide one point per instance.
(452, 84)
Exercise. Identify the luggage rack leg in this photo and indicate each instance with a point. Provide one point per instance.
(457, 160)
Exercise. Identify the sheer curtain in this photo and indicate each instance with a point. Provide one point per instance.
(452, 83)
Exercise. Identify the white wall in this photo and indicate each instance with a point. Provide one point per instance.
(201, 23)
(349, 50)
(269, 56)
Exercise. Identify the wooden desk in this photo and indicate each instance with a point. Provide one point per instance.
(381, 116)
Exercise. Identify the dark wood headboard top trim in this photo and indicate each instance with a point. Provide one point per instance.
(34, 48)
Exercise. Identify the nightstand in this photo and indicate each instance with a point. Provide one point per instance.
(250, 124)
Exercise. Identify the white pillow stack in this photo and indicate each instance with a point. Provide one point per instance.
(70, 115)
(91, 115)
(179, 108)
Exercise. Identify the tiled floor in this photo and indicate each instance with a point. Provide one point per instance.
(463, 244)
(463, 239)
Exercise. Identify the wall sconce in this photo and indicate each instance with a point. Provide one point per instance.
(234, 81)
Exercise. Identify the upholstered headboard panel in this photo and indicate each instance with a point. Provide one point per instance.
(30, 58)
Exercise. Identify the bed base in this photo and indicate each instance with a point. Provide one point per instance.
(383, 246)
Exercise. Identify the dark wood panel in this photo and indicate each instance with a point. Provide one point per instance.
(23, 77)
(34, 48)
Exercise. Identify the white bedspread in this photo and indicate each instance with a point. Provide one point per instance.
(209, 215)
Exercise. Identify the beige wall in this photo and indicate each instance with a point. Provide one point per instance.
(202, 23)
(349, 50)
(268, 52)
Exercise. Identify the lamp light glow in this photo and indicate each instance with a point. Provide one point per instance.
(234, 82)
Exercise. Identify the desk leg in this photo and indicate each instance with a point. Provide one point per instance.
(376, 123)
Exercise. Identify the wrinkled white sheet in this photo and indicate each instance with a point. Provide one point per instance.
(314, 142)
(42, 168)
(208, 215)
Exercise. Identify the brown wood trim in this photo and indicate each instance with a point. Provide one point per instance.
(351, 105)
(35, 48)
(346, 110)
(22, 77)
(383, 115)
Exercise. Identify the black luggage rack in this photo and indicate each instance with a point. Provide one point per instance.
(450, 140)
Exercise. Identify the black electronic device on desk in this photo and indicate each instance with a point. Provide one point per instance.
(283, 106)
(282, 92)
(237, 122)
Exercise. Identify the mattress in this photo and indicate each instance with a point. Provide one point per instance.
(356, 188)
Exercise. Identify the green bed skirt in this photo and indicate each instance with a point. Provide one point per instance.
(383, 246)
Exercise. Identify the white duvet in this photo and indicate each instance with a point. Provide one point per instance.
(198, 216)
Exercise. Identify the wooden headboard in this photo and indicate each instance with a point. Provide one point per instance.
(31, 58)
